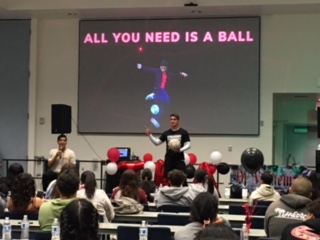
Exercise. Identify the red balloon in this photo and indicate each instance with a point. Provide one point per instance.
(113, 154)
(147, 157)
(193, 158)
(135, 166)
(213, 168)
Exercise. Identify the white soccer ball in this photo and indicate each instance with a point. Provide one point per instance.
(174, 145)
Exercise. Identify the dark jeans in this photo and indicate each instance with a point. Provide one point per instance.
(47, 177)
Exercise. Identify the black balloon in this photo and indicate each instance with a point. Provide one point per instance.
(252, 160)
(223, 168)
(190, 170)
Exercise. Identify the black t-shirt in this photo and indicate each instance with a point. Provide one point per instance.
(182, 135)
(309, 229)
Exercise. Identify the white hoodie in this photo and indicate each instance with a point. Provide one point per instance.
(264, 193)
(195, 189)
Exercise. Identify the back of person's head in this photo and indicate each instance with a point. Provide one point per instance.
(314, 208)
(200, 176)
(89, 180)
(146, 174)
(204, 208)
(69, 166)
(22, 191)
(313, 177)
(301, 186)
(129, 184)
(266, 178)
(14, 170)
(68, 183)
(176, 177)
(217, 232)
(79, 220)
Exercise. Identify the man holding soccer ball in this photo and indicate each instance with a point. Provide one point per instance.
(177, 140)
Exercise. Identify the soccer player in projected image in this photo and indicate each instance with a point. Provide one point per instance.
(159, 96)
(174, 157)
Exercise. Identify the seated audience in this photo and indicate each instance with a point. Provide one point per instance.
(79, 221)
(52, 191)
(98, 197)
(290, 208)
(23, 193)
(67, 185)
(204, 211)
(175, 194)
(309, 229)
(265, 192)
(129, 187)
(201, 183)
(147, 184)
(5, 183)
(217, 232)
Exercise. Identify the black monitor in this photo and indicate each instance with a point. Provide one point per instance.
(125, 153)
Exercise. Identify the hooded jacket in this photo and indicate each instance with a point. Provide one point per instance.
(288, 209)
(172, 196)
(51, 210)
(265, 192)
(309, 229)
(195, 189)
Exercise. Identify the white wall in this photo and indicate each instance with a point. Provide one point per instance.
(289, 63)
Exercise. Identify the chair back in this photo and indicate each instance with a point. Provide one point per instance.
(263, 203)
(19, 216)
(236, 209)
(174, 208)
(154, 233)
(173, 219)
(42, 235)
(260, 210)
(257, 223)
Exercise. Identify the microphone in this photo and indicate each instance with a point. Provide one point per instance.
(60, 149)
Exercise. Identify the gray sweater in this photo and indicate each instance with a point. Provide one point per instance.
(288, 209)
(172, 196)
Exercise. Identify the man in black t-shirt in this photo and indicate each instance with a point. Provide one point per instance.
(174, 158)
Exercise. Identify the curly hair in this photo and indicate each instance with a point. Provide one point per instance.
(22, 191)
(129, 185)
(89, 180)
(79, 220)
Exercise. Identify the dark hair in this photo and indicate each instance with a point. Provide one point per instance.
(164, 63)
(312, 176)
(314, 208)
(79, 220)
(176, 177)
(13, 171)
(129, 185)
(217, 232)
(146, 174)
(267, 178)
(204, 207)
(89, 180)
(22, 191)
(68, 182)
(61, 136)
(175, 115)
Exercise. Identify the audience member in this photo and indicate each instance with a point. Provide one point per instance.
(201, 183)
(98, 197)
(57, 158)
(52, 191)
(309, 229)
(290, 208)
(265, 192)
(147, 184)
(67, 185)
(175, 194)
(79, 221)
(129, 187)
(217, 232)
(23, 193)
(313, 177)
(5, 183)
(204, 211)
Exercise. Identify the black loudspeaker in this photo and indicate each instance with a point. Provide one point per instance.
(317, 161)
(60, 118)
(318, 121)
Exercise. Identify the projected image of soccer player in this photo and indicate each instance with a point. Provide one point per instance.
(159, 96)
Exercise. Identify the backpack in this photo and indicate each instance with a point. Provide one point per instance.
(126, 205)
